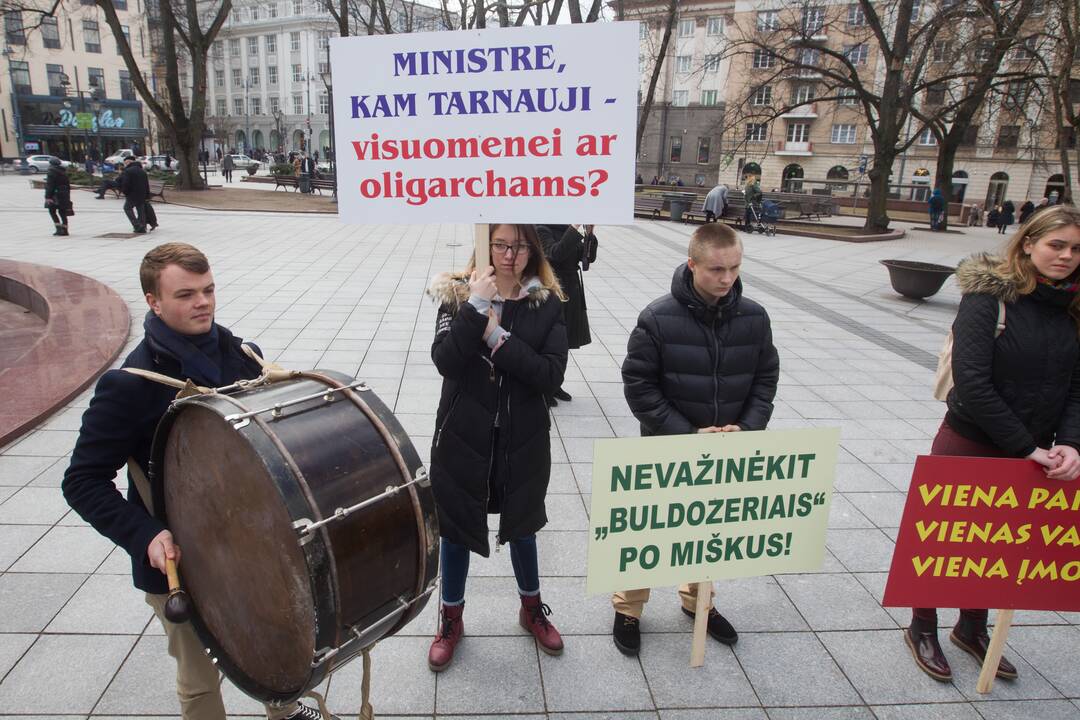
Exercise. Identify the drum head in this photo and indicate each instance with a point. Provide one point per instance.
(241, 562)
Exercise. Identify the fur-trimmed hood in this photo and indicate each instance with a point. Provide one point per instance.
(979, 274)
(452, 290)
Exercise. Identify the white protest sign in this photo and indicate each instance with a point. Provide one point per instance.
(525, 125)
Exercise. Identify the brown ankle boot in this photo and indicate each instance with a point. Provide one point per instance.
(921, 638)
(451, 630)
(533, 617)
(971, 636)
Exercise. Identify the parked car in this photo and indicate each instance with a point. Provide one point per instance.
(159, 162)
(40, 163)
(118, 158)
(243, 161)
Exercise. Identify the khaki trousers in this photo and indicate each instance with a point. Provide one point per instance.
(198, 685)
(632, 602)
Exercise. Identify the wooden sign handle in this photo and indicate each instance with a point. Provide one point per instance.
(701, 623)
(994, 651)
(480, 246)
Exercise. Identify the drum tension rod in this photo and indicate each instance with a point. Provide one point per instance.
(361, 636)
(238, 419)
(306, 526)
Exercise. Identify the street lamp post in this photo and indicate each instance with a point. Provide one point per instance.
(19, 149)
(277, 123)
(327, 79)
(308, 80)
(247, 118)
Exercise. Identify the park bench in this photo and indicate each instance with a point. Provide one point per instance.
(697, 211)
(809, 209)
(320, 184)
(648, 205)
(286, 181)
(157, 189)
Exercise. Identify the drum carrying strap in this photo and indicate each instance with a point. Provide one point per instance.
(366, 711)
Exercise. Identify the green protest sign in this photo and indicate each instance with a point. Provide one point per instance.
(689, 508)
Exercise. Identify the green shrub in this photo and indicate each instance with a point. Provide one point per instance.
(281, 169)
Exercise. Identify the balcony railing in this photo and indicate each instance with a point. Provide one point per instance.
(790, 147)
(802, 111)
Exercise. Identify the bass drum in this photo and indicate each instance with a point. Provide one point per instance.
(306, 523)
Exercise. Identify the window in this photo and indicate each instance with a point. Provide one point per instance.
(935, 95)
(271, 44)
(857, 54)
(708, 97)
(855, 15)
(271, 74)
(96, 77)
(703, 146)
(298, 104)
(56, 78)
(256, 105)
(939, 51)
(714, 26)
(253, 76)
(324, 67)
(813, 21)
(970, 136)
(253, 47)
(324, 41)
(846, 96)
(1008, 136)
(237, 77)
(91, 36)
(680, 98)
(763, 58)
(916, 6)
(254, 13)
(20, 77)
(807, 59)
(220, 106)
(271, 11)
(275, 104)
(757, 132)
(682, 64)
(803, 94)
(120, 4)
(50, 33)
(926, 137)
(768, 21)
(843, 134)
(13, 28)
(676, 148)
(1026, 50)
(762, 96)
(686, 28)
(219, 50)
(298, 7)
(127, 90)
(712, 63)
(236, 16)
(294, 41)
(238, 106)
(234, 47)
(798, 132)
(1016, 93)
(219, 78)
(1038, 7)
(127, 37)
(297, 74)
(643, 31)
(324, 103)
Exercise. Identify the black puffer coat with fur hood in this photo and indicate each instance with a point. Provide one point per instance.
(482, 390)
(1021, 389)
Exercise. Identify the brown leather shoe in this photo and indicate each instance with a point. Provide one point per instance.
(451, 630)
(975, 643)
(927, 652)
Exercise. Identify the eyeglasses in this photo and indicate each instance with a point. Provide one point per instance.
(502, 248)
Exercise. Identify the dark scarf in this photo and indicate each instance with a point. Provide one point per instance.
(1067, 286)
(200, 356)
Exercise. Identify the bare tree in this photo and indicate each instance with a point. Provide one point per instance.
(658, 60)
(1064, 82)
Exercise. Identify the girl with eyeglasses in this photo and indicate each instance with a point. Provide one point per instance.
(500, 346)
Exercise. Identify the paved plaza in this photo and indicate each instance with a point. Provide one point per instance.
(77, 641)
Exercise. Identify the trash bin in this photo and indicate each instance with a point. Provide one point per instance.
(305, 183)
(677, 208)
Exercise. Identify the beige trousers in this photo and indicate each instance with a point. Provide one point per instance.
(198, 685)
(632, 602)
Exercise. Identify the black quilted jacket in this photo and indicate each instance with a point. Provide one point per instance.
(1023, 388)
(689, 365)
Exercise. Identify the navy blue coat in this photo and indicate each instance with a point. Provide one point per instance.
(120, 424)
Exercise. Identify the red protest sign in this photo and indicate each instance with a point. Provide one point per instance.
(987, 533)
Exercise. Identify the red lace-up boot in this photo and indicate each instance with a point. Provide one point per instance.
(533, 617)
(451, 630)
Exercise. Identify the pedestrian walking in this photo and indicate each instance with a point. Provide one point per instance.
(570, 249)
(936, 205)
(58, 196)
(993, 217)
(136, 188)
(500, 345)
(1017, 390)
(700, 360)
(1006, 217)
(183, 342)
(1026, 210)
(227, 167)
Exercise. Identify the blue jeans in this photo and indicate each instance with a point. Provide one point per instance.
(454, 559)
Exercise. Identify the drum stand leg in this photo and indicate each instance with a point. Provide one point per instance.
(366, 711)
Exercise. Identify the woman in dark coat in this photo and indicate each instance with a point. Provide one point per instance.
(1017, 393)
(58, 196)
(1026, 211)
(1007, 216)
(570, 249)
(500, 346)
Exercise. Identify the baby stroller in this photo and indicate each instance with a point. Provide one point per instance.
(765, 216)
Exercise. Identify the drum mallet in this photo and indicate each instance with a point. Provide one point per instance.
(178, 604)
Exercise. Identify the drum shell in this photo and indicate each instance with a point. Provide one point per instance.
(313, 459)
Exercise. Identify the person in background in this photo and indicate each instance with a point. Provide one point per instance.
(58, 196)
(227, 166)
(716, 203)
(752, 193)
(1017, 393)
(1006, 217)
(936, 205)
(1026, 210)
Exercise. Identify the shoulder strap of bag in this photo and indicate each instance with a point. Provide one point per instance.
(1001, 319)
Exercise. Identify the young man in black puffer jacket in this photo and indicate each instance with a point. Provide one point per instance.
(701, 359)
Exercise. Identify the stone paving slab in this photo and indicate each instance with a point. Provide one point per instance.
(77, 641)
